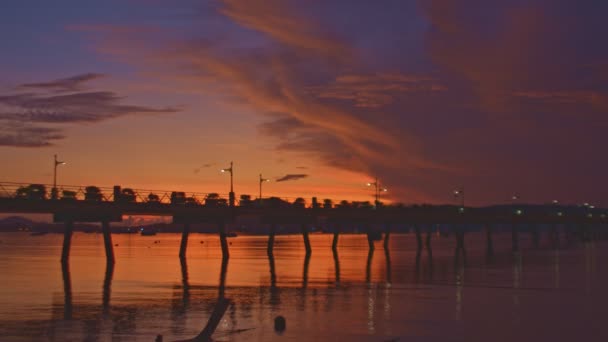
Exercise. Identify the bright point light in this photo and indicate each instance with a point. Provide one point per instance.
(560, 214)
(519, 212)
(590, 215)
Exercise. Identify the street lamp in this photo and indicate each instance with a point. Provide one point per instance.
(378, 188)
(54, 194)
(231, 194)
(262, 180)
(460, 193)
(515, 199)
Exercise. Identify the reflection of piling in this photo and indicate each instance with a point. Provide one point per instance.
(67, 291)
(273, 274)
(387, 235)
(223, 240)
(107, 240)
(184, 243)
(67, 241)
(223, 271)
(219, 309)
(489, 241)
(554, 236)
(270, 247)
(306, 239)
(305, 271)
(535, 236)
(418, 238)
(460, 248)
(387, 255)
(336, 265)
(107, 287)
(368, 267)
(429, 234)
(185, 283)
(515, 238)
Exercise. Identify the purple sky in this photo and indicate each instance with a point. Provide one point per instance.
(499, 97)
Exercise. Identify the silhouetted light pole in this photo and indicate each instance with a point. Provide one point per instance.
(376, 185)
(231, 195)
(54, 194)
(515, 199)
(460, 193)
(262, 180)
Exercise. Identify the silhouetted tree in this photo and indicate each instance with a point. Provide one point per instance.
(327, 203)
(344, 204)
(299, 203)
(245, 201)
(92, 193)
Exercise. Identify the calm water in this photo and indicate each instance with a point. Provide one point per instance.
(538, 295)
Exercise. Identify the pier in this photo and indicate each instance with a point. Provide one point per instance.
(105, 207)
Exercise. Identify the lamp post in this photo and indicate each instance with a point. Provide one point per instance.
(262, 180)
(515, 199)
(231, 194)
(460, 193)
(54, 194)
(376, 185)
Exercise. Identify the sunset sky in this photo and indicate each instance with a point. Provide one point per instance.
(499, 97)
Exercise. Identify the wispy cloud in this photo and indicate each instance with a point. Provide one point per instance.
(74, 83)
(37, 118)
(204, 166)
(487, 91)
(291, 177)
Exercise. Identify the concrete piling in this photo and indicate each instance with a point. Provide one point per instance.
(107, 240)
(183, 247)
(67, 241)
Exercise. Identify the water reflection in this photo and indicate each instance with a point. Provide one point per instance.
(368, 266)
(107, 288)
(375, 301)
(336, 265)
(67, 291)
(389, 271)
(185, 283)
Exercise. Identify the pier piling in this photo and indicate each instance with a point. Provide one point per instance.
(67, 241)
(429, 234)
(107, 240)
(270, 247)
(184, 243)
(334, 243)
(387, 234)
(489, 241)
(223, 240)
(370, 238)
(306, 239)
